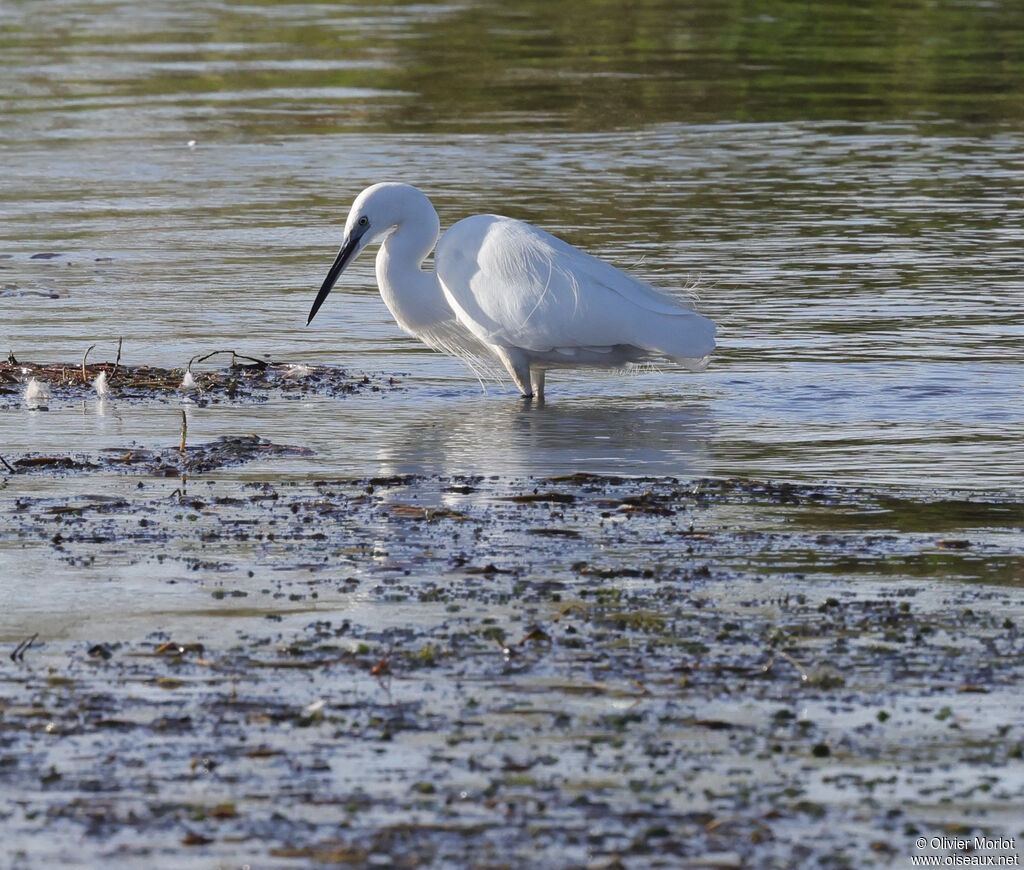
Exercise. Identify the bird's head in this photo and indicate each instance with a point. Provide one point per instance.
(375, 214)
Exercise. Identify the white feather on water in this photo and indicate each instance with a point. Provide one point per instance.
(297, 370)
(36, 392)
(100, 385)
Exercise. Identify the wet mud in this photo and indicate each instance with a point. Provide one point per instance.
(184, 459)
(578, 671)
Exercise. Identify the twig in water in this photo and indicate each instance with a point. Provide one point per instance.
(198, 358)
(7, 465)
(19, 651)
(382, 670)
(118, 360)
(85, 356)
(383, 665)
(786, 657)
(184, 431)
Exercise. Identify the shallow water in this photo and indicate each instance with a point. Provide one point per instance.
(855, 226)
(830, 670)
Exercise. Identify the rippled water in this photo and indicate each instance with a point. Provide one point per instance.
(847, 188)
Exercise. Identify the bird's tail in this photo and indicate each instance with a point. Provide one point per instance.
(687, 337)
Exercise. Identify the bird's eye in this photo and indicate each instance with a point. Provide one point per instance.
(363, 221)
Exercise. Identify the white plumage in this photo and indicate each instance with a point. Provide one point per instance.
(503, 289)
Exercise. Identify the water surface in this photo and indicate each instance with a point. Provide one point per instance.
(773, 675)
(844, 184)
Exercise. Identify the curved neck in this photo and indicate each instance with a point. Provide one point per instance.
(412, 294)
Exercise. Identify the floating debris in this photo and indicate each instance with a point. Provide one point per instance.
(14, 291)
(246, 379)
(19, 651)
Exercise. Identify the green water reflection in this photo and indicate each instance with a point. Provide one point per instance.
(595, 65)
(524, 65)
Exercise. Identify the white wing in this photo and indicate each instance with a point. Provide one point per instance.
(513, 285)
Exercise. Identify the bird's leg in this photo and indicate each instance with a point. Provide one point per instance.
(537, 382)
(518, 366)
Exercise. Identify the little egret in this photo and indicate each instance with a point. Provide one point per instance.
(504, 290)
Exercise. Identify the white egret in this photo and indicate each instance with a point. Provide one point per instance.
(504, 290)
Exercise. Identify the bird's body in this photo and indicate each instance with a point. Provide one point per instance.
(504, 290)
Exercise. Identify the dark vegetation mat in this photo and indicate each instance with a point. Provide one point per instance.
(245, 379)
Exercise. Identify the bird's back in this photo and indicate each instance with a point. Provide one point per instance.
(514, 285)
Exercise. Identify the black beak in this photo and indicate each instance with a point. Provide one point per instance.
(340, 262)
